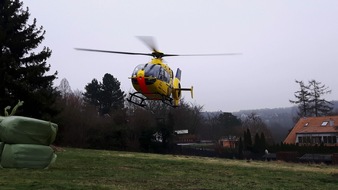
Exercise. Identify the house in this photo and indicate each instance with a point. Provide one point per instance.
(183, 136)
(314, 131)
(186, 138)
(228, 142)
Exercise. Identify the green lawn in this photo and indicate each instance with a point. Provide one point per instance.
(93, 169)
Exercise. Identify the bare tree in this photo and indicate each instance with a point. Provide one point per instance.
(309, 99)
(302, 99)
(257, 126)
(64, 87)
(319, 106)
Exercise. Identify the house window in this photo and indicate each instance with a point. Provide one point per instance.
(316, 140)
(307, 139)
(300, 139)
(324, 123)
(325, 139)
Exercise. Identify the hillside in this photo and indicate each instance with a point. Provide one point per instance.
(279, 120)
(93, 169)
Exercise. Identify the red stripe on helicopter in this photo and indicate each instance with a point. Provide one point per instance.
(142, 82)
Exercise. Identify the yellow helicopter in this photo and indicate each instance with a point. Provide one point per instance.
(155, 80)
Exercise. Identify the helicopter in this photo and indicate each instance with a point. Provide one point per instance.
(155, 80)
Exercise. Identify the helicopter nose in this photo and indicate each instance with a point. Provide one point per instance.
(141, 81)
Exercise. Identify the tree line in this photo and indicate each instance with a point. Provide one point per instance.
(151, 129)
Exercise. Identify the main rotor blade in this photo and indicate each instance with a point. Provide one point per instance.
(156, 54)
(117, 52)
(149, 41)
(215, 54)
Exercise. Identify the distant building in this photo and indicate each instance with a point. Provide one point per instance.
(186, 138)
(183, 136)
(228, 142)
(314, 131)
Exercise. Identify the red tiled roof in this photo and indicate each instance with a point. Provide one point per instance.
(312, 125)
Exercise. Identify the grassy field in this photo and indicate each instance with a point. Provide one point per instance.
(93, 169)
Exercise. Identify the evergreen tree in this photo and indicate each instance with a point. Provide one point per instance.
(112, 95)
(319, 106)
(92, 94)
(257, 144)
(263, 141)
(247, 139)
(240, 147)
(106, 96)
(260, 143)
(302, 99)
(23, 69)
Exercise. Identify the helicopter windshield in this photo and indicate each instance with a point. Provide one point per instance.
(151, 70)
(157, 71)
(137, 68)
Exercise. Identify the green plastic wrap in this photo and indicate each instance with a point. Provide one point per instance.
(25, 130)
(1, 118)
(1, 148)
(27, 156)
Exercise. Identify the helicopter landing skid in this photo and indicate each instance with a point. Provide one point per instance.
(138, 99)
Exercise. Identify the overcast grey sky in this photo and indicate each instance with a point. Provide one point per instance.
(280, 41)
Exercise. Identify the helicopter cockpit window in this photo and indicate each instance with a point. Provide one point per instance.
(151, 70)
(164, 75)
(167, 76)
(156, 71)
(137, 68)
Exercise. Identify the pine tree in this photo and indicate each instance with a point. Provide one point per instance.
(260, 143)
(23, 69)
(92, 94)
(240, 147)
(247, 139)
(112, 95)
(106, 96)
(263, 141)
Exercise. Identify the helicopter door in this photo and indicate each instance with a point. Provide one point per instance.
(164, 75)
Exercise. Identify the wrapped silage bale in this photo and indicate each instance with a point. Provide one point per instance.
(25, 130)
(27, 156)
(1, 148)
(1, 118)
